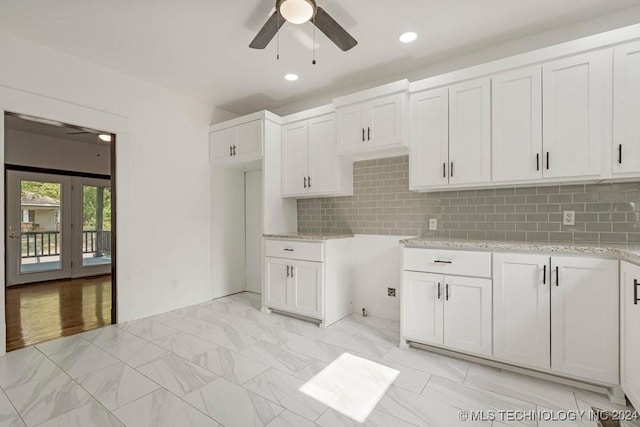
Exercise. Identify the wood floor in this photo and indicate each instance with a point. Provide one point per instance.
(43, 311)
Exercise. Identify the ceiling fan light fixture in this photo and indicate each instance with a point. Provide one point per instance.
(104, 137)
(297, 11)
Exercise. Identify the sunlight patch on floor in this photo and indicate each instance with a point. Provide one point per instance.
(351, 385)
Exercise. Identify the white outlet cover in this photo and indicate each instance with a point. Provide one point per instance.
(433, 224)
(569, 218)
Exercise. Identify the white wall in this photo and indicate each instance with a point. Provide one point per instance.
(253, 230)
(41, 151)
(377, 266)
(162, 170)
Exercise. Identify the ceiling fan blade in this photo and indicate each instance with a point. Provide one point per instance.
(76, 133)
(268, 31)
(333, 30)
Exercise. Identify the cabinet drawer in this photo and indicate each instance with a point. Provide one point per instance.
(462, 263)
(291, 249)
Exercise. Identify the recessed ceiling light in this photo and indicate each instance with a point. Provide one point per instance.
(408, 37)
(105, 137)
(291, 77)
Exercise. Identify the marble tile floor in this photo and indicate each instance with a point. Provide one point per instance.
(224, 362)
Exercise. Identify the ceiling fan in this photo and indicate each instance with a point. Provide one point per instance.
(105, 137)
(299, 12)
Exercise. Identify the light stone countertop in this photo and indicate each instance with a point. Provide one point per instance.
(306, 236)
(630, 253)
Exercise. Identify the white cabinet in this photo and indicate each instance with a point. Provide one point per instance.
(310, 162)
(585, 318)
(574, 114)
(522, 309)
(308, 278)
(630, 333)
(237, 143)
(373, 123)
(450, 142)
(517, 125)
(558, 313)
(429, 139)
(446, 310)
(626, 109)
(422, 307)
(470, 132)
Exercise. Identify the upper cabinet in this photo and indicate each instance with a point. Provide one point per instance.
(517, 125)
(239, 141)
(626, 110)
(573, 114)
(372, 123)
(451, 136)
(310, 162)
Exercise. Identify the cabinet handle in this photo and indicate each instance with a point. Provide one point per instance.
(636, 300)
(451, 170)
(544, 275)
(447, 292)
(548, 163)
(442, 262)
(362, 134)
(305, 182)
(288, 271)
(368, 134)
(439, 290)
(557, 276)
(292, 271)
(620, 154)
(288, 249)
(309, 181)
(235, 150)
(444, 170)
(538, 161)
(231, 150)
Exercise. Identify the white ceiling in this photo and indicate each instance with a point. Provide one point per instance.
(200, 47)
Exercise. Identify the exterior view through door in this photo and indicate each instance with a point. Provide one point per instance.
(58, 226)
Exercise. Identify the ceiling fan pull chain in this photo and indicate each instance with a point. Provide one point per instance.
(278, 39)
(314, 40)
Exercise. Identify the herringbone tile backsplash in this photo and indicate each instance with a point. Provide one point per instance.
(383, 204)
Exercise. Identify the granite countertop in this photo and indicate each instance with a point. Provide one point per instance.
(307, 236)
(629, 253)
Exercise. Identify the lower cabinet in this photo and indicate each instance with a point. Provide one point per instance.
(308, 278)
(630, 336)
(558, 313)
(295, 286)
(450, 311)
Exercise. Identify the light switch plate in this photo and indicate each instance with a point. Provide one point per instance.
(569, 218)
(433, 224)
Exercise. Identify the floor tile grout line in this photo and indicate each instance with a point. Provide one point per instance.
(14, 407)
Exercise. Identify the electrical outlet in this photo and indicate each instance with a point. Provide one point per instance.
(391, 292)
(569, 218)
(433, 224)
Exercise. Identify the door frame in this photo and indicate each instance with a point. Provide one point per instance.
(24, 102)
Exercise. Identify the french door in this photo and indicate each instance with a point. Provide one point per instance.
(58, 227)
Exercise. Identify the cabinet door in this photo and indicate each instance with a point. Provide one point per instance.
(422, 304)
(249, 140)
(573, 114)
(306, 282)
(585, 317)
(521, 309)
(221, 144)
(323, 155)
(295, 167)
(470, 132)
(626, 109)
(467, 314)
(429, 144)
(277, 278)
(517, 125)
(630, 334)
(385, 122)
(351, 126)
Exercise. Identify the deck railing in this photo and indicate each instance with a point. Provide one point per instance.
(47, 243)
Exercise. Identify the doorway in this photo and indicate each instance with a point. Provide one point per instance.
(59, 230)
